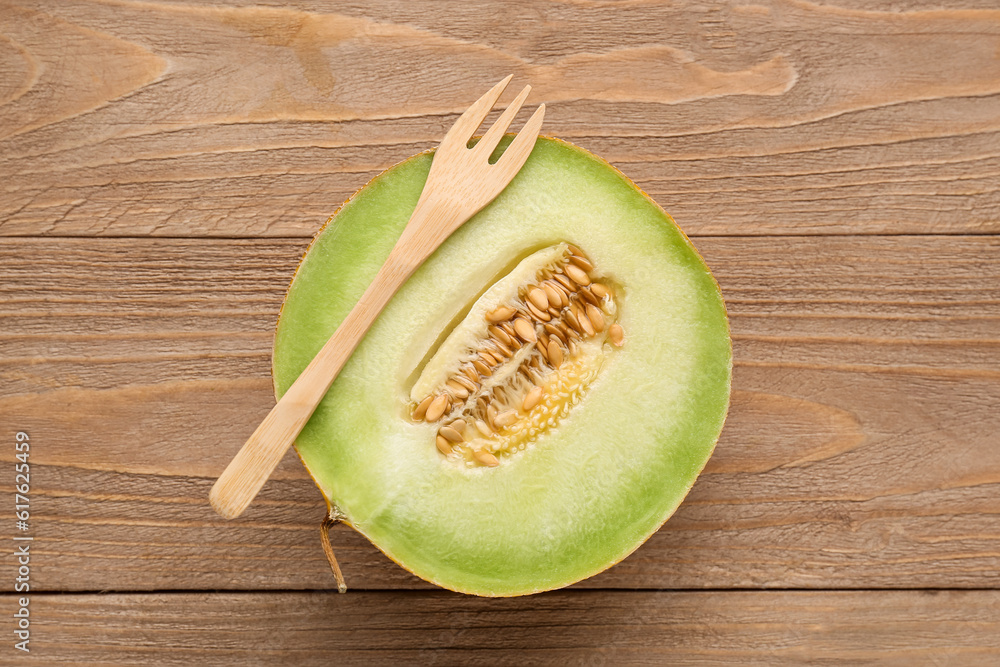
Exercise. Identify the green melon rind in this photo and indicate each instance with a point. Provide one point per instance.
(580, 499)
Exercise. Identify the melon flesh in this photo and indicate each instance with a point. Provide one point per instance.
(586, 493)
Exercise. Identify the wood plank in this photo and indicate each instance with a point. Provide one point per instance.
(178, 119)
(862, 448)
(579, 627)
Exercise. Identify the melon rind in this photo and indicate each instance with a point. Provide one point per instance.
(587, 493)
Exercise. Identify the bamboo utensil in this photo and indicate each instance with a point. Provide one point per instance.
(460, 183)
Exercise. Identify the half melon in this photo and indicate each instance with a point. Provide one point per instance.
(493, 491)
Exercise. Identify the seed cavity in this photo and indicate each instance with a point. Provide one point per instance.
(521, 359)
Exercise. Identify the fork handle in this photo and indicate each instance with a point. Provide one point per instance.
(260, 455)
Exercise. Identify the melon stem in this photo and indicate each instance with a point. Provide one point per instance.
(324, 532)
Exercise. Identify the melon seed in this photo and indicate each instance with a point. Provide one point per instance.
(594, 314)
(565, 282)
(421, 409)
(532, 398)
(599, 290)
(465, 382)
(482, 368)
(555, 354)
(443, 446)
(582, 262)
(485, 458)
(538, 297)
(498, 346)
(589, 296)
(524, 330)
(539, 314)
(585, 323)
(553, 295)
(577, 275)
(505, 418)
(508, 329)
(498, 334)
(451, 434)
(573, 321)
(484, 428)
(501, 314)
(437, 408)
(561, 289)
(616, 334)
(543, 339)
(554, 331)
(456, 387)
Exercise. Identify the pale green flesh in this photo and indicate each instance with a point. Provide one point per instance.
(587, 493)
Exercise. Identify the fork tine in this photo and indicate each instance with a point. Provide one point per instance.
(492, 137)
(517, 152)
(469, 122)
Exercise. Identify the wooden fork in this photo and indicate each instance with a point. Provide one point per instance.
(460, 183)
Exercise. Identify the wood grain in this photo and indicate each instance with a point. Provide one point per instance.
(861, 449)
(781, 117)
(592, 628)
(844, 156)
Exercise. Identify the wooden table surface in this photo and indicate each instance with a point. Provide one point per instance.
(163, 166)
